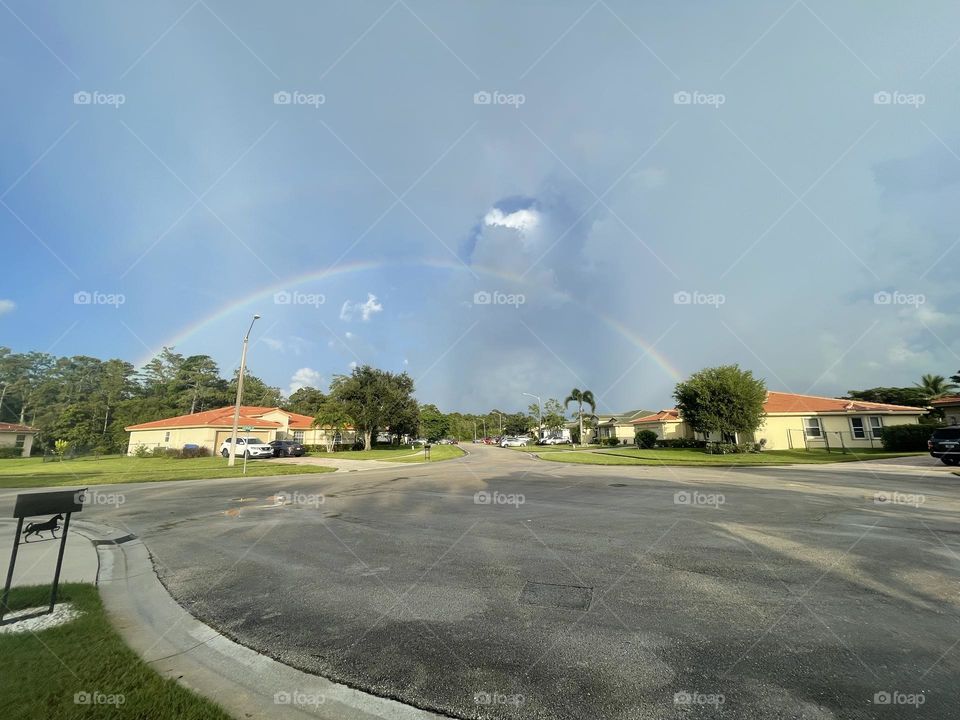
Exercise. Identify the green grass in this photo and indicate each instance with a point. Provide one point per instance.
(531, 448)
(437, 453)
(397, 454)
(33, 472)
(696, 457)
(42, 672)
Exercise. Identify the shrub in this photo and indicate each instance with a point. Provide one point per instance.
(142, 451)
(612, 441)
(10, 452)
(646, 439)
(722, 448)
(906, 438)
(681, 443)
(194, 452)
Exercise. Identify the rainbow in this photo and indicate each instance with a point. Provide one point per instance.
(291, 283)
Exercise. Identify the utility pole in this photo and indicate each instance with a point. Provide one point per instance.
(236, 408)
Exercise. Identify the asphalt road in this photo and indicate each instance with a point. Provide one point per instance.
(566, 591)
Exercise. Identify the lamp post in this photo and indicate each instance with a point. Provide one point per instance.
(539, 415)
(236, 408)
(500, 415)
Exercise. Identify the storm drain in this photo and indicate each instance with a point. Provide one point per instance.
(570, 597)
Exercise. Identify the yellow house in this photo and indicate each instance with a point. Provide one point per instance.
(951, 408)
(210, 428)
(618, 425)
(17, 436)
(803, 421)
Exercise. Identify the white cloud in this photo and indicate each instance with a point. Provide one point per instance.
(365, 309)
(525, 220)
(273, 343)
(304, 377)
(6, 306)
(348, 335)
(352, 365)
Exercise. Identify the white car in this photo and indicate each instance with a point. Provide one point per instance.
(510, 441)
(250, 447)
(554, 440)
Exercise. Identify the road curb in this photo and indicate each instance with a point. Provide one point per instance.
(177, 645)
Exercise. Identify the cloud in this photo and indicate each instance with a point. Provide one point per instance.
(273, 343)
(6, 306)
(352, 365)
(364, 309)
(304, 377)
(525, 220)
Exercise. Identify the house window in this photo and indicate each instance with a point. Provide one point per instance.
(876, 427)
(858, 429)
(338, 438)
(298, 436)
(811, 427)
(166, 436)
(20, 441)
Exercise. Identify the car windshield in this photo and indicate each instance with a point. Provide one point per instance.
(947, 434)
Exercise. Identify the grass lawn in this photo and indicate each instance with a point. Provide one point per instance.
(43, 672)
(437, 452)
(694, 456)
(531, 448)
(33, 472)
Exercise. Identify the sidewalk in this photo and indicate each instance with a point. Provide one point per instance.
(37, 560)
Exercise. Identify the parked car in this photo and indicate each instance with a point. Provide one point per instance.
(511, 441)
(945, 444)
(250, 447)
(554, 440)
(287, 448)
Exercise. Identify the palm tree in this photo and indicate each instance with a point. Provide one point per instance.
(580, 397)
(935, 386)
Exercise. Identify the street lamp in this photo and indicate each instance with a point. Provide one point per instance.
(501, 420)
(236, 408)
(539, 415)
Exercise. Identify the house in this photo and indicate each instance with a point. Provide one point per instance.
(618, 425)
(802, 421)
(950, 405)
(17, 436)
(210, 428)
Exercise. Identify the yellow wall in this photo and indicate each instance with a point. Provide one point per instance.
(783, 432)
(207, 437)
(666, 430)
(9, 439)
(951, 413)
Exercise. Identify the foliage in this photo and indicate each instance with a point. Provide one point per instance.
(612, 441)
(935, 386)
(909, 396)
(306, 401)
(681, 443)
(581, 397)
(9, 452)
(377, 399)
(433, 423)
(332, 415)
(645, 439)
(553, 415)
(60, 447)
(722, 399)
(732, 448)
(905, 437)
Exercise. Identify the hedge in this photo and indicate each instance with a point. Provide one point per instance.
(906, 438)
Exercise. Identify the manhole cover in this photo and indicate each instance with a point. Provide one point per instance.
(571, 597)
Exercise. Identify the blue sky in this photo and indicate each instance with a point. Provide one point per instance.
(638, 189)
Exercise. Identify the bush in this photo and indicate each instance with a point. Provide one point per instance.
(194, 452)
(722, 448)
(905, 438)
(681, 443)
(141, 451)
(645, 439)
(612, 442)
(10, 452)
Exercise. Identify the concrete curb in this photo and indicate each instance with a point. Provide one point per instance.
(242, 681)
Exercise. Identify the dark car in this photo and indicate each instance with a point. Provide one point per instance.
(945, 444)
(287, 448)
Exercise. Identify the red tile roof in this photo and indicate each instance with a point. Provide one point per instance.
(14, 427)
(948, 400)
(778, 403)
(221, 417)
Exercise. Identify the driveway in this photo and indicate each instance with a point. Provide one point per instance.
(501, 586)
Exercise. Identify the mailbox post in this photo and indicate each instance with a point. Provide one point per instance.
(58, 504)
(426, 451)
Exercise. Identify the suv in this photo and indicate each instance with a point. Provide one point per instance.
(287, 448)
(945, 444)
(249, 447)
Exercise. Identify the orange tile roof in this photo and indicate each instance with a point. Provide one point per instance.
(779, 403)
(221, 417)
(947, 400)
(14, 427)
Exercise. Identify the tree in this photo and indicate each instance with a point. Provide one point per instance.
(433, 423)
(722, 399)
(375, 399)
(306, 401)
(935, 386)
(956, 378)
(553, 415)
(256, 391)
(909, 396)
(332, 416)
(581, 397)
